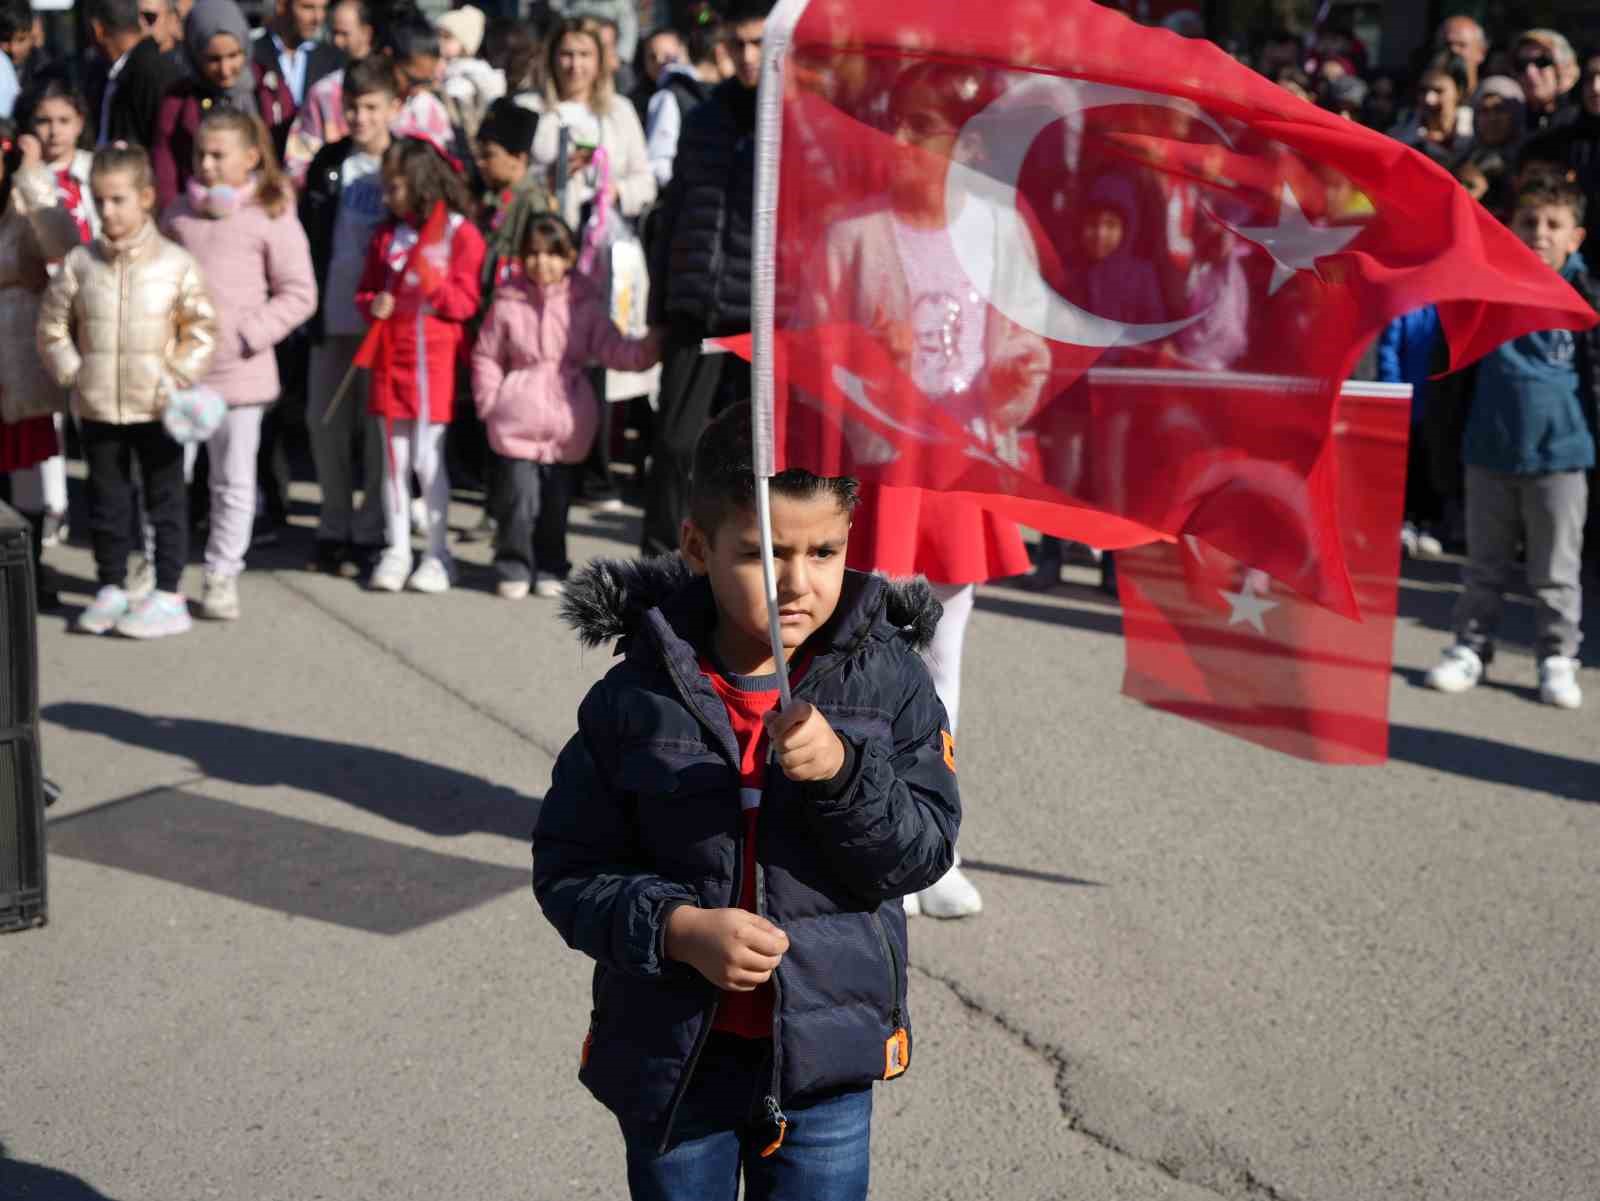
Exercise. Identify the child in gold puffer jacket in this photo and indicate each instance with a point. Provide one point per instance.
(125, 322)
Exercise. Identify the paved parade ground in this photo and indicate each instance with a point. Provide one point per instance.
(293, 953)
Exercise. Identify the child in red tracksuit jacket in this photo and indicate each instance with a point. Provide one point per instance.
(413, 375)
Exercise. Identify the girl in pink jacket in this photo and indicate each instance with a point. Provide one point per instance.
(534, 397)
(237, 217)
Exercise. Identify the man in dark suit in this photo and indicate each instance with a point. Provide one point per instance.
(139, 75)
(290, 47)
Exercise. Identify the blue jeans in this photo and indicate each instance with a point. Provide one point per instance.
(721, 1129)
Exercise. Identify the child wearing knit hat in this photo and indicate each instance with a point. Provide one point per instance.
(513, 195)
(470, 84)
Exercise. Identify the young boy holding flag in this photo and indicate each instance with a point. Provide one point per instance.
(736, 871)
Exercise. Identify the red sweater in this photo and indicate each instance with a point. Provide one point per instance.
(747, 1014)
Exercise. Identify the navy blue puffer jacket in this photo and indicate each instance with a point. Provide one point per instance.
(643, 814)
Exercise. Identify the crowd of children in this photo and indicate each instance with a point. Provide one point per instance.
(162, 325)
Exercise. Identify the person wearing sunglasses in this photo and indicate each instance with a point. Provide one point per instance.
(139, 75)
(1576, 146)
(1547, 69)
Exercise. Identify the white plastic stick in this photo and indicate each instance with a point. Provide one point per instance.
(769, 576)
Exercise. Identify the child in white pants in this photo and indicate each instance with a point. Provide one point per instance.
(238, 219)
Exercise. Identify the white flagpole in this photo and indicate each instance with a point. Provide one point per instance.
(769, 134)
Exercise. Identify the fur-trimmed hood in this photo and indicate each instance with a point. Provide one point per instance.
(611, 599)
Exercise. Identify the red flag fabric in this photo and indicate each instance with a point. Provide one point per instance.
(1212, 639)
(981, 211)
(424, 268)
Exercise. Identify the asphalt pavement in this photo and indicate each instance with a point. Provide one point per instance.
(292, 951)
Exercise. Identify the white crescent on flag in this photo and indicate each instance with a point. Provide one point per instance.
(1008, 128)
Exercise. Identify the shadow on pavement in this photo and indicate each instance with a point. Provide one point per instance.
(1027, 873)
(22, 1181)
(291, 866)
(1483, 759)
(1096, 621)
(425, 796)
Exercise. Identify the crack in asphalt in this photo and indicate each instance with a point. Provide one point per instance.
(1179, 1147)
(399, 655)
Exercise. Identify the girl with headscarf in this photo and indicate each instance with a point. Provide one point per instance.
(216, 37)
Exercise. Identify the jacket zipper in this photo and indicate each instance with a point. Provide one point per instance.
(775, 1117)
(122, 329)
(895, 1014)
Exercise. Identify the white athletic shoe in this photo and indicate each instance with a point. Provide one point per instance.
(1429, 546)
(511, 589)
(391, 572)
(431, 575)
(110, 605)
(953, 895)
(548, 586)
(219, 597)
(1558, 682)
(1458, 670)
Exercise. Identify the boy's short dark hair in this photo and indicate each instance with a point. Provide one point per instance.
(742, 12)
(370, 76)
(1550, 189)
(722, 481)
(408, 35)
(118, 16)
(16, 16)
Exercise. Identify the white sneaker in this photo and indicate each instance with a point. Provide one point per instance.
(109, 606)
(142, 579)
(611, 504)
(1459, 670)
(431, 575)
(391, 572)
(953, 895)
(548, 586)
(1429, 546)
(1558, 682)
(911, 905)
(1408, 539)
(511, 589)
(219, 597)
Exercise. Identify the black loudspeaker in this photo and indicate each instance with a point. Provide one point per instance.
(22, 891)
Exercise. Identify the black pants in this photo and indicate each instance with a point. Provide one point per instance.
(109, 451)
(594, 478)
(530, 511)
(695, 387)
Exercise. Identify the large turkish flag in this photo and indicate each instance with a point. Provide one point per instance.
(1028, 251)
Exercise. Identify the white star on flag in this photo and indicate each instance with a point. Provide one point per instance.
(1246, 605)
(1294, 243)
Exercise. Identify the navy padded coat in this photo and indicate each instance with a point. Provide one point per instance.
(643, 814)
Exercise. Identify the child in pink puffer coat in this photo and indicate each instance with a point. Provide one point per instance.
(534, 396)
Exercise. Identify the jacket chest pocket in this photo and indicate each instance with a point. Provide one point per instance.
(685, 803)
(860, 723)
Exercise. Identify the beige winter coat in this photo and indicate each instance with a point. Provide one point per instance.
(35, 230)
(122, 321)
